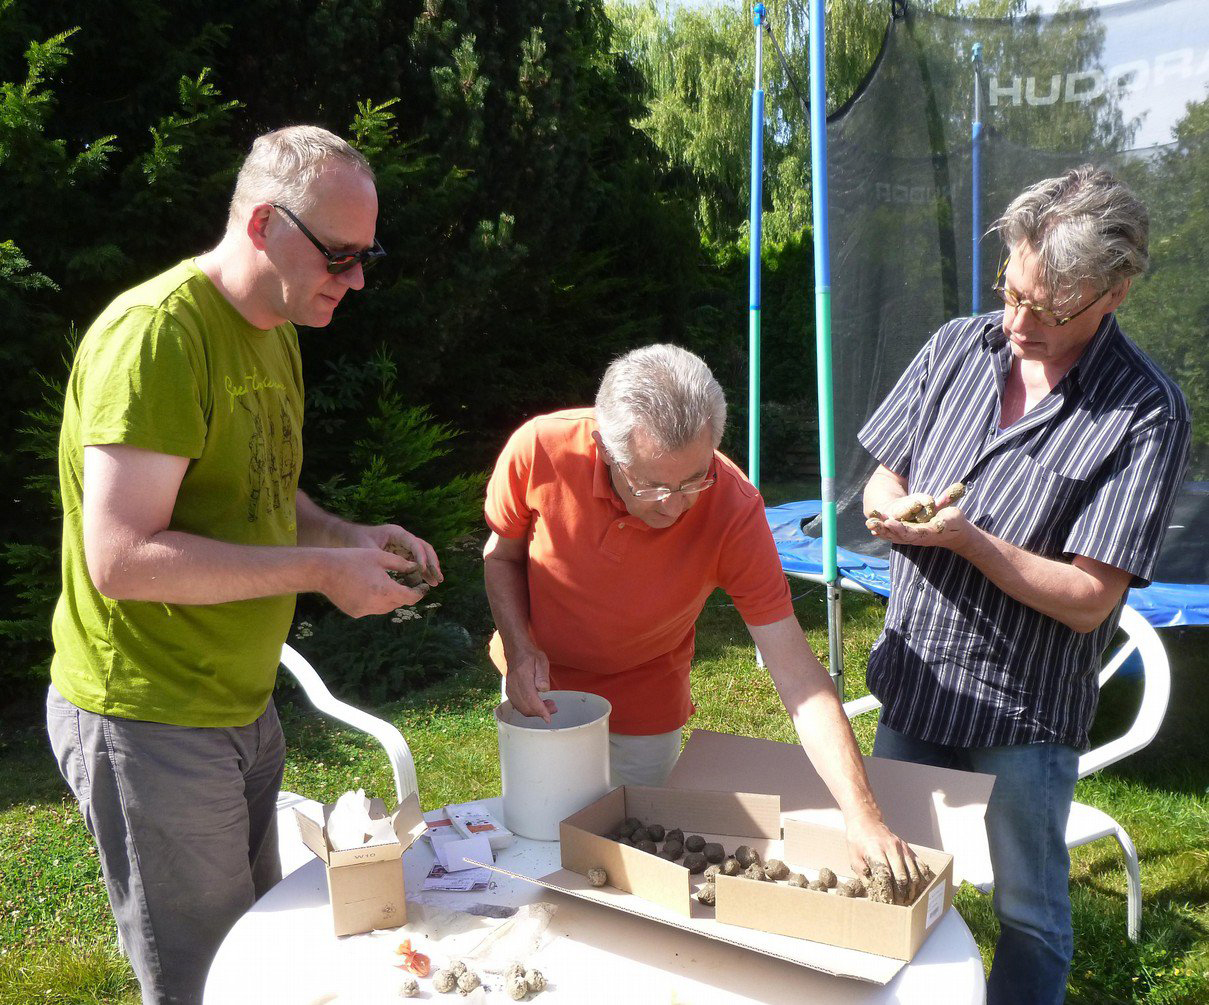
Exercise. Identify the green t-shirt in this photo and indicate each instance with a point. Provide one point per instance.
(172, 367)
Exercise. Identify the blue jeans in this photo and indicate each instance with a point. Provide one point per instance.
(1026, 831)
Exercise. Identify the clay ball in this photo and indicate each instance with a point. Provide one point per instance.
(828, 878)
(409, 988)
(746, 855)
(675, 834)
(516, 987)
(597, 876)
(674, 849)
(731, 867)
(647, 846)
(536, 980)
(640, 834)
(457, 968)
(881, 886)
(707, 894)
(694, 862)
(631, 824)
(775, 869)
(756, 871)
(468, 982)
(851, 888)
(797, 879)
(817, 886)
(713, 852)
(694, 843)
(656, 832)
(514, 970)
(711, 872)
(444, 981)
(671, 856)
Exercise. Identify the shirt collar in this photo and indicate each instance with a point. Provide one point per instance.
(1088, 369)
(602, 483)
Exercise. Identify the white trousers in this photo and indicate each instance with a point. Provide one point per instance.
(642, 760)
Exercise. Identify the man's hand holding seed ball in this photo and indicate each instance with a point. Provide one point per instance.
(922, 520)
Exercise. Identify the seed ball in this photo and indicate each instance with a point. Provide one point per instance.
(850, 888)
(902, 890)
(630, 825)
(707, 894)
(669, 855)
(711, 872)
(756, 871)
(597, 876)
(672, 850)
(647, 846)
(640, 834)
(828, 878)
(516, 987)
(713, 852)
(409, 988)
(797, 879)
(675, 834)
(817, 886)
(536, 980)
(656, 831)
(515, 971)
(881, 886)
(457, 968)
(694, 843)
(615, 836)
(468, 982)
(731, 867)
(775, 869)
(746, 855)
(843, 890)
(444, 981)
(694, 862)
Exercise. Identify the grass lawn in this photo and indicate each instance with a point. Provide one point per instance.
(57, 941)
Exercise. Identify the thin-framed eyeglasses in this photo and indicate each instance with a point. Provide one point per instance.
(1043, 314)
(337, 263)
(658, 493)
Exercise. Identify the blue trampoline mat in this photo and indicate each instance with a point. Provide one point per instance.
(1162, 604)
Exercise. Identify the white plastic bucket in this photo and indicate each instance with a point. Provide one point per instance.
(551, 770)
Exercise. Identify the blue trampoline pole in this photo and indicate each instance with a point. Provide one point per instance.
(753, 281)
(822, 320)
(976, 186)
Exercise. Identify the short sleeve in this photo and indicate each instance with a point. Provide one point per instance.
(507, 507)
(142, 385)
(1132, 498)
(749, 569)
(889, 435)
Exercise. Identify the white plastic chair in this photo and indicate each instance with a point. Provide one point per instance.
(1087, 823)
(293, 852)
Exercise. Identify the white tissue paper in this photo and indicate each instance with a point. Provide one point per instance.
(350, 825)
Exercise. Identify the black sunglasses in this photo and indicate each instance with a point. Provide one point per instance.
(338, 263)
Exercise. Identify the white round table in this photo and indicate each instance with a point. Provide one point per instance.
(283, 952)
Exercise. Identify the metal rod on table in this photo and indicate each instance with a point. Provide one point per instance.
(822, 316)
(756, 211)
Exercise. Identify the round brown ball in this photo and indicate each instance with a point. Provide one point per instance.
(694, 842)
(694, 862)
(713, 852)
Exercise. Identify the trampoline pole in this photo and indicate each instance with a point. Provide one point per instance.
(753, 282)
(976, 186)
(822, 320)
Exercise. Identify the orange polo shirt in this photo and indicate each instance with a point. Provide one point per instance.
(612, 602)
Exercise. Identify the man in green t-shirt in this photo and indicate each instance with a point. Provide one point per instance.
(185, 541)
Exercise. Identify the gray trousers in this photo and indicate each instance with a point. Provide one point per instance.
(185, 822)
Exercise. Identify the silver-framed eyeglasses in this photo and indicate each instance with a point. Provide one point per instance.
(1043, 314)
(658, 493)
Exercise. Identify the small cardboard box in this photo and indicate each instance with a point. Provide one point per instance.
(366, 884)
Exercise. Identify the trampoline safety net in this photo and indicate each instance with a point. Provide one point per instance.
(1125, 86)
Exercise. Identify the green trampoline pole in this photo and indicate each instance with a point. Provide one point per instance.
(822, 319)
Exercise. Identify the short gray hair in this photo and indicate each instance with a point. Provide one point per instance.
(1084, 226)
(283, 165)
(665, 391)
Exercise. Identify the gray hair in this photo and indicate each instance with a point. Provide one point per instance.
(1085, 227)
(665, 391)
(283, 165)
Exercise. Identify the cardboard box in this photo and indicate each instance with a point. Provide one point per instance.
(938, 810)
(365, 884)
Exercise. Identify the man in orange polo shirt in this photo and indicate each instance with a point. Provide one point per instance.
(611, 526)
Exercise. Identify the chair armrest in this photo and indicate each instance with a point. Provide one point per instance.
(858, 706)
(397, 750)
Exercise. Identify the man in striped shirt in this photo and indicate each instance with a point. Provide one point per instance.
(1070, 443)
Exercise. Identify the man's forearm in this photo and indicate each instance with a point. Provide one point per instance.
(507, 585)
(317, 528)
(172, 567)
(882, 490)
(1057, 589)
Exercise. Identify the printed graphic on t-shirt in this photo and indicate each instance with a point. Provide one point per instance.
(272, 450)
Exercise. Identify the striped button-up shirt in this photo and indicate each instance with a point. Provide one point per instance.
(1092, 469)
